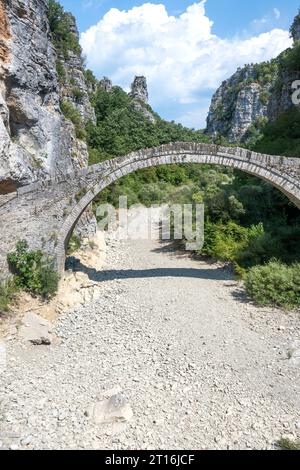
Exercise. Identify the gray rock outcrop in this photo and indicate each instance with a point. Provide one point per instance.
(106, 84)
(253, 95)
(140, 97)
(36, 141)
(73, 86)
(139, 89)
(239, 102)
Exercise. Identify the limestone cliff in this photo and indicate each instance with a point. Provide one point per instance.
(255, 94)
(140, 97)
(36, 140)
(72, 81)
(241, 101)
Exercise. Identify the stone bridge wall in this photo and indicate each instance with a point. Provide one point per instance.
(45, 213)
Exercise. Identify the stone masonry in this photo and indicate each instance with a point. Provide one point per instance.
(46, 213)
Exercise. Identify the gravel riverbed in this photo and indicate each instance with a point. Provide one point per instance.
(199, 365)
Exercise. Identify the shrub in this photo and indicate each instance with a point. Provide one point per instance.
(224, 241)
(32, 271)
(274, 284)
(288, 444)
(78, 94)
(8, 290)
(74, 244)
(61, 28)
(73, 115)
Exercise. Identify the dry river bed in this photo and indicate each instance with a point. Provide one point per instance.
(170, 356)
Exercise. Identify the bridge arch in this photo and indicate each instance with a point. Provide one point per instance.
(283, 173)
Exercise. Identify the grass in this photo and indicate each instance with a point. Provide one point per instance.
(8, 292)
(288, 444)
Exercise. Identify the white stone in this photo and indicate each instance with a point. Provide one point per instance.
(35, 329)
(115, 409)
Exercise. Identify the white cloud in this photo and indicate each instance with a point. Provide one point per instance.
(277, 13)
(180, 56)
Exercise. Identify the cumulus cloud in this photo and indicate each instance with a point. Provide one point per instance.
(183, 60)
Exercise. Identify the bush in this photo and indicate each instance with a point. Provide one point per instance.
(78, 94)
(288, 444)
(61, 28)
(32, 272)
(8, 291)
(274, 284)
(74, 244)
(73, 115)
(223, 241)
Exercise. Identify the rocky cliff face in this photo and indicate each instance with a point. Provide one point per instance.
(239, 103)
(36, 141)
(106, 84)
(255, 94)
(73, 85)
(139, 89)
(140, 97)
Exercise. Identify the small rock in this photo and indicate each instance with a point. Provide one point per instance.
(26, 441)
(114, 409)
(41, 341)
(294, 353)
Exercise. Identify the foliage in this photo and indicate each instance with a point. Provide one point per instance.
(32, 271)
(74, 244)
(295, 25)
(290, 59)
(274, 284)
(61, 28)
(90, 77)
(61, 73)
(122, 129)
(288, 444)
(73, 115)
(283, 136)
(8, 291)
(77, 94)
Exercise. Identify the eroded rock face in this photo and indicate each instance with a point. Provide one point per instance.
(139, 93)
(36, 141)
(247, 97)
(74, 87)
(139, 89)
(32, 129)
(237, 104)
(106, 84)
(281, 96)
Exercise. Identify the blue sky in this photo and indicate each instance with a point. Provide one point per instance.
(184, 48)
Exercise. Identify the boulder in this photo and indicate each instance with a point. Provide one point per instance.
(35, 329)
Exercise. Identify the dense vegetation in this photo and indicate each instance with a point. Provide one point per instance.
(276, 283)
(32, 272)
(248, 222)
(8, 291)
(60, 22)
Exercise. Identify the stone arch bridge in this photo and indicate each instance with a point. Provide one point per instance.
(46, 213)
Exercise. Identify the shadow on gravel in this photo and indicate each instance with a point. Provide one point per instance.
(75, 265)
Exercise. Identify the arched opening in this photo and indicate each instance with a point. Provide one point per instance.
(277, 171)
